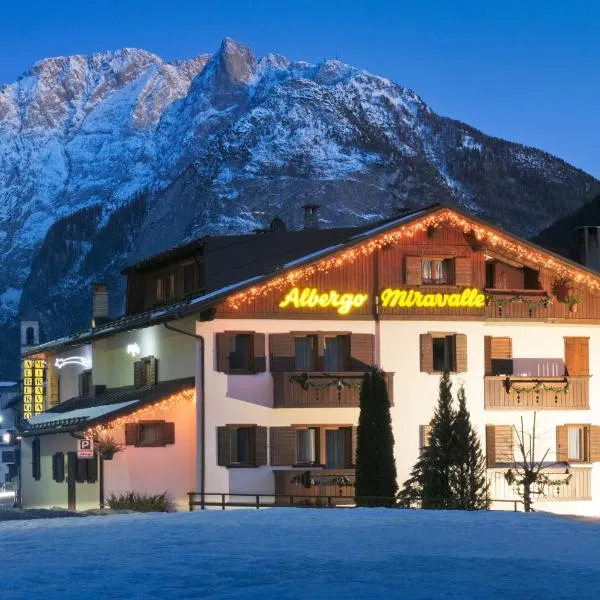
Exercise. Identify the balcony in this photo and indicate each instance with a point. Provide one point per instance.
(548, 393)
(517, 304)
(321, 390)
(318, 486)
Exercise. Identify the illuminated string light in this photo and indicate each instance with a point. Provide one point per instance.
(476, 231)
(147, 412)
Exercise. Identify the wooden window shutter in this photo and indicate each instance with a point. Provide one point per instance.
(362, 351)
(223, 446)
(260, 446)
(426, 353)
(36, 459)
(577, 356)
(223, 345)
(58, 467)
(354, 444)
(463, 272)
(594, 443)
(460, 348)
(413, 270)
(490, 446)
(496, 348)
(151, 370)
(562, 444)
(284, 451)
(92, 469)
(54, 383)
(138, 374)
(168, 433)
(131, 434)
(487, 354)
(260, 360)
(282, 352)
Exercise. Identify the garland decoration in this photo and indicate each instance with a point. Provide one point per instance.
(544, 302)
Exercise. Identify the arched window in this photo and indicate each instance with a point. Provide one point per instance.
(29, 336)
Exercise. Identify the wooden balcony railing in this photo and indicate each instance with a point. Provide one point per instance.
(549, 393)
(321, 390)
(517, 304)
(303, 486)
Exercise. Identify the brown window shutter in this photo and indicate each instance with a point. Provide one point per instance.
(490, 446)
(54, 383)
(504, 444)
(138, 374)
(81, 470)
(594, 443)
(260, 360)
(55, 467)
(131, 434)
(223, 344)
(260, 445)
(223, 446)
(501, 348)
(426, 353)
(487, 354)
(577, 356)
(36, 459)
(354, 443)
(168, 433)
(413, 270)
(282, 352)
(562, 444)
(152, 370)
(92, 469)
(362, 351)
(463, 272)
(460, 347)
(284, 451)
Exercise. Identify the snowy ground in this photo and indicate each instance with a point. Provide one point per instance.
(303, 553)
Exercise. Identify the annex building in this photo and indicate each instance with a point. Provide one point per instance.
(237, 365)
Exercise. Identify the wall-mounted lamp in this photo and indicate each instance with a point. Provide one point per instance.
(133, 349)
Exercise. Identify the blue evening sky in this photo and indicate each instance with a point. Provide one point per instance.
(524, 70)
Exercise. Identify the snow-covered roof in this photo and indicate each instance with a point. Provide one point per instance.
(91, 412)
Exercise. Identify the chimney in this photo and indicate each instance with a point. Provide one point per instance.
(99, 304)
(311, 216)
(589, 246)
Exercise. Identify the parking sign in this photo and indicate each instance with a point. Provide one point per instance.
(85, 448)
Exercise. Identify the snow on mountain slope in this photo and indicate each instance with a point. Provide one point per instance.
(209, 143)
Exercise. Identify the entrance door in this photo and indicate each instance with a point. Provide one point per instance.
(71, 479)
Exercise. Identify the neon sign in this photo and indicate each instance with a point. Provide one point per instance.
(86, 363)
(311, 298)
(468, 298)
(34, 376)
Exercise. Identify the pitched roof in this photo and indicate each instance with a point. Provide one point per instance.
(252, 261)
(79, 412)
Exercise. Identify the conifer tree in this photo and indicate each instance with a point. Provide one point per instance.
(375, 464)
(469, 481)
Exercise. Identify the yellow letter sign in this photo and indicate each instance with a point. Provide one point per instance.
(468, 298)
(311, 298)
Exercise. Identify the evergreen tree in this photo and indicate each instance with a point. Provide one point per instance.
(375, 464)
(439, 455)
(469, 483)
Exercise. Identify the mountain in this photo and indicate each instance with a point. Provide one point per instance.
(111, 157)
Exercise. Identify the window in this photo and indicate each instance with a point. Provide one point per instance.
(444, 353)
(36, 459)
(336, 353)
(337, 448)
(437, 271)
(149, 433)
(577, 443)
(241, 446)
(240, 352)
(85, 384)
(145, 372)
(29, 336)
(305, 353)
(307, 444)
(86, 470)
(192, 277)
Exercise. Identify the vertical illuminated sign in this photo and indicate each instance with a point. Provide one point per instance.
(34, 377)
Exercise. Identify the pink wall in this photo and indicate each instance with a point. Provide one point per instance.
(155, 470)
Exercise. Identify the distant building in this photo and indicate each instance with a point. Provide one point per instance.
(237, 366)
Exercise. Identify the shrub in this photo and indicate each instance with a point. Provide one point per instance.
(140, 502)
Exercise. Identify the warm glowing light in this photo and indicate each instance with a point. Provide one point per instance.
(153, 411)
(468, 298)
(311, 297)
(476, 231)
(133, 349)
(34, 377)
(86, 363)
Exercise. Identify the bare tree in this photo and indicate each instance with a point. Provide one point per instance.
(531, 476)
